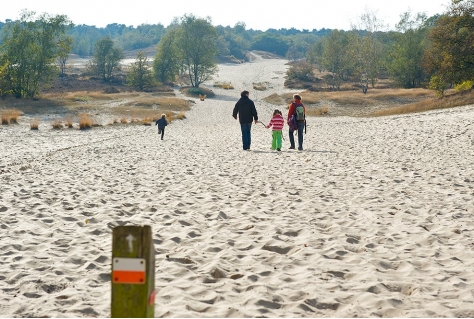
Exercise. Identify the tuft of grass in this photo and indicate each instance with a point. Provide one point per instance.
(57, 124)
(14, 114)
(5, 119)
(181, 116)
(68, 123)
(34, 124)
(123, 120)
(147, 120)
(261, 86)
(224, 85)
(10, 116)
(85, 121)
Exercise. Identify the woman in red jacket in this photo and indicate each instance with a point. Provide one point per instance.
(298, 110)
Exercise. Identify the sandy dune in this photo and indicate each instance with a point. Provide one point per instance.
(374, 218)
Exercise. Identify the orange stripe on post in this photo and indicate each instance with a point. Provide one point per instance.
(128, 277)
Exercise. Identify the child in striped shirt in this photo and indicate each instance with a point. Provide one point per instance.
(277, 122)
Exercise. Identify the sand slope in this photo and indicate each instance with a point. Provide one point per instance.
(374, 218)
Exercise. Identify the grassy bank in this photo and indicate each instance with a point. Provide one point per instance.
(377, 102)
(118, 108)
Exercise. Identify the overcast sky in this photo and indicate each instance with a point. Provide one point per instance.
(256, 14)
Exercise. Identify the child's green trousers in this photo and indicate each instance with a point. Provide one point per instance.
(276, 139)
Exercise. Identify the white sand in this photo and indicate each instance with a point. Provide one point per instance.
(374, 218)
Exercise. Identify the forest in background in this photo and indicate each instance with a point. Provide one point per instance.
(434, 52)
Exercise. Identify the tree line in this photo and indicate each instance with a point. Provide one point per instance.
(434, 52)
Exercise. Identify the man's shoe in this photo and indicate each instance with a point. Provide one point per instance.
(300, 148)
(292, 148)
(279, 150)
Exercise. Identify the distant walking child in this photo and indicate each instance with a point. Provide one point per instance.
(277, 122)
(161, 125)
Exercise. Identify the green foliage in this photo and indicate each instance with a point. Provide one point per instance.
(314, 54)
(140, 74)
(233, 41)
(464, 86)
(195, 91)
(367, 49)
(142, 36)
(302, 71)
(451, 53)
(271, 43)
(64, 48)
(438, 85)
(167, 62)
(28, 52)
(406, 53)
(196, 42)
(106, 59)
(83, 38)
(336, 58)
(5, 83)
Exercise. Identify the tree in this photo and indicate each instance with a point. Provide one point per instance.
(406, 53)
(367, 50)
(64, 48)
(5, 83)
(271, 43)
(167, 62)
(451, 54)
(140, 75)
(197, 45)
(106, 59)
(314, 54)
(335, 57)
(28, 52)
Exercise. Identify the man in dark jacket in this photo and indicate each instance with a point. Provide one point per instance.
(247, 112)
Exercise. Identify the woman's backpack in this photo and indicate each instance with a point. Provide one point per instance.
(299, 112)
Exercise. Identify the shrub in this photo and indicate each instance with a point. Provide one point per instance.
(260, 86)
(34, 124)
(10, 116)
(302, 71)
(68, 122)
(147, 120)
(224, 85)
(437, 84)
(14, 114)
(196, 91)
(5, 119)
(464, 86)
(85, 121)
(57, 124)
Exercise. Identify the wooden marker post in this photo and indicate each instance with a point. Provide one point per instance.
(133, 272)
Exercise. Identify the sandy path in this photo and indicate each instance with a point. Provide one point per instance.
(373, 219)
